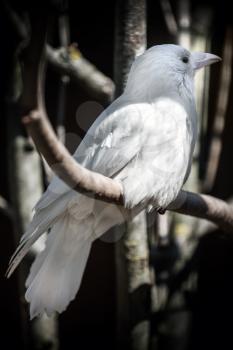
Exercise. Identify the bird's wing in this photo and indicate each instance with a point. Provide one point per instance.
(115, 143)
(113, 140)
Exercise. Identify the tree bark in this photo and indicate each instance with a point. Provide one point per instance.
(132, 251)
(26, 187)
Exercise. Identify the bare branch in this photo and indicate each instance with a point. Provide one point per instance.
(81, 71)
(205, 207)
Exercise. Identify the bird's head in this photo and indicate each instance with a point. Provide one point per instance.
(166, 69)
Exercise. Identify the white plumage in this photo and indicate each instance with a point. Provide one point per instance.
(145, 139)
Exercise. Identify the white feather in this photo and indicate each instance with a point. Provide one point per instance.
(56, 273)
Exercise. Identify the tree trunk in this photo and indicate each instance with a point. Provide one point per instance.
(133, 304)
(26, 187)
(25, 183)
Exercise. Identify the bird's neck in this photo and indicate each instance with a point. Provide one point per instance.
(147, 90)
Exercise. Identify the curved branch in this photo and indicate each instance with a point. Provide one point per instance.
(64, 165)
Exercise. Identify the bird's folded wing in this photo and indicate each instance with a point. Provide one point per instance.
(114, 140)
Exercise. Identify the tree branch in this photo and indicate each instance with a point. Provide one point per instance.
(80, 70)
(64, 165)
(205, 207)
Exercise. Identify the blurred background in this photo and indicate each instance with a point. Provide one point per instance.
(161, 282)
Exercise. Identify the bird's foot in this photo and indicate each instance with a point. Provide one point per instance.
(161, 210)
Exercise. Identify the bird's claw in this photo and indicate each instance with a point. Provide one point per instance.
(161, 210)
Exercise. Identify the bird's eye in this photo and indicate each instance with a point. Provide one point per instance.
(185, 59)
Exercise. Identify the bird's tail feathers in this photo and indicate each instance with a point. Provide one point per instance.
(56, 273)
(41, 222)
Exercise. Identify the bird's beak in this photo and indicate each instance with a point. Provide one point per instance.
(202, 59)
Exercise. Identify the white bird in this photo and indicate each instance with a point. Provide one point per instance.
(144, 139)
